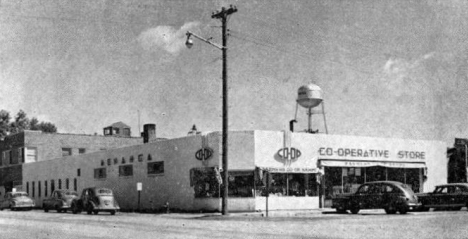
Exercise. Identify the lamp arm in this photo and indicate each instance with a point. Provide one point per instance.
(205, 40)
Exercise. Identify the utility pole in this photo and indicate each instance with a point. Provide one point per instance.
(223, 15)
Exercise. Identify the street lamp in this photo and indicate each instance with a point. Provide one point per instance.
(223, 15)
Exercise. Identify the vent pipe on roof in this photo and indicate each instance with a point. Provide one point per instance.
(149, 133)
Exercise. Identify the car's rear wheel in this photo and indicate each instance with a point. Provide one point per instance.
(112, 212)
(354, 210)
(58, 209)
(341, 210)
(89, 210)
(390, 209)
(46, 209)
(74, 208)
(95, 212)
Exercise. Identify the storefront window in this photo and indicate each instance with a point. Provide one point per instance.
(347, 179)
(204, 182)
(241, 184)
(283, 184)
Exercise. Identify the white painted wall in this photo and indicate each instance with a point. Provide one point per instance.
(246, 149)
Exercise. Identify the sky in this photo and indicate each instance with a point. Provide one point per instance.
(394, 69)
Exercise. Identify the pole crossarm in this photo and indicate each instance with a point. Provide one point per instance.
(189, 34)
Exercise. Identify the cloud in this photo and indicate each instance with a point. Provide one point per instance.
(166, 38)
(402, 66)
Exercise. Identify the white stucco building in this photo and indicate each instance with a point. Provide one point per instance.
(183, 171)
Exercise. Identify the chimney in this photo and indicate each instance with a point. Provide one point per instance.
(149, 133)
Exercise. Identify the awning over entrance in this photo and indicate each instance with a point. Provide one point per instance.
(368, 163)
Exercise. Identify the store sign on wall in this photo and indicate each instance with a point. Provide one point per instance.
(371, 153)
(204, 154)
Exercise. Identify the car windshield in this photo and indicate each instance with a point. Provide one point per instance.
(103, 191)
(15, 195)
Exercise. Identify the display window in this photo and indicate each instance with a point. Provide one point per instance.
(348, 179)
(284, 184)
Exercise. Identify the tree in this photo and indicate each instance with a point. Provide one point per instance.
(34, 124)
(4, 123)
(22, 122)
(47, 127)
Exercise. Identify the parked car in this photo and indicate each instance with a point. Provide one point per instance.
(95, 200)
(60, 200)
(16, 200)
(389, 195)
(446, 196)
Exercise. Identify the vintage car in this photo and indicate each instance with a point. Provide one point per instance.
(16, 200)
(452, 196)
(389, 195)
(95, 200)
(60, 200)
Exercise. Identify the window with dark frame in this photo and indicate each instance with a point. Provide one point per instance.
(27, 187)
(78, 172)
(66, 152)
(132, 159)
(149, 157)
(33, 189)
(125, 170)
(155, 168)
(67, 183)
(45, 188)
(123, 160)
(75, 184)
(52, 186)
(60, 184)
(100, 173)
(81, 151)
(102, 163)
(140, 158)
(109, 162)
(39, 188)
(116, 161)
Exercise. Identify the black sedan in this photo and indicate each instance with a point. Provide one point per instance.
(452, 196)
(389, 195)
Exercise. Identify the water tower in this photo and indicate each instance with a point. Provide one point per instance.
(310, 96)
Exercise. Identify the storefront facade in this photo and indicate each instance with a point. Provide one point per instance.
(310, 166)
(293, 171)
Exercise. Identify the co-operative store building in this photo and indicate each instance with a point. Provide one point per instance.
(184, 171)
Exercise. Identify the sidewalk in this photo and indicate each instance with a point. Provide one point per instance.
(277, 213)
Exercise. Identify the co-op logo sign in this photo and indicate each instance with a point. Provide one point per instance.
(289, 153)
(204, 154)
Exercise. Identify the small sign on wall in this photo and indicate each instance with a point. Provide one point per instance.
(139, 186)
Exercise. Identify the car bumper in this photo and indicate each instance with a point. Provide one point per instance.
(107, 209)
(414, 206)
(23, 206)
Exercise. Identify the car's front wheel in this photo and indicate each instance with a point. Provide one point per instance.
(113, 212)
(403, 210)
(354, 210)
(46, 209)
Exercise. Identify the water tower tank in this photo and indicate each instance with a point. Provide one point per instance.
(309, 96)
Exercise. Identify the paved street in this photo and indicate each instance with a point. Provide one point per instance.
(367, 224)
